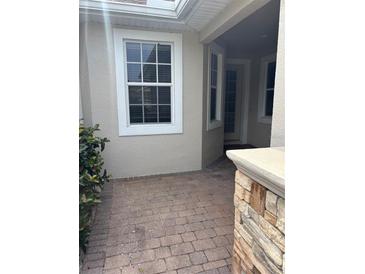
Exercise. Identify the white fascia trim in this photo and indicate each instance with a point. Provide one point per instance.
(176, 125)
(154, 8)
(126, 8)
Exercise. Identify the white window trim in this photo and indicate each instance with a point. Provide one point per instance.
(219, 51)
(261, 117)
(125, 128)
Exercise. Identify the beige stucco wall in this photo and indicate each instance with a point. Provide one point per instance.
(85, 100)
(278, 120)
(258, 133)
(213, 140)
(144, 155)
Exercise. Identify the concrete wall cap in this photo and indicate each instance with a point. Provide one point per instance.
(263, 165)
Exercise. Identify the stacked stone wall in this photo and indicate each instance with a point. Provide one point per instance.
(259, 235)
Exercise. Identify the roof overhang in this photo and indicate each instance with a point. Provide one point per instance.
(152, 9)
(209, 18)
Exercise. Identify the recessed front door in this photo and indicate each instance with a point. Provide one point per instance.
(233, 103)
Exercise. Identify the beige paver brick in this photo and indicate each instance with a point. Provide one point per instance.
(191, 270)
(171, 240)
(162, 252)
(205, 233)
(142, 216)
(216, 264)
(203, 244)
(220, 241)
(142, 256)
(112, 271)
(188, 236)
(177, 262)
(181, 220)
(209, 224)
(93, 264)
(146, 268)
(116, 261)
(198, 257)
(149, 244)
(224, 270)
(183, 248)
(224, 230)
(216, 254)
(186, 213)
(93, 271)
(174, 230)
(194, 227)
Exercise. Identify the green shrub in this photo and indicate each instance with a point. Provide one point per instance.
(92, 178)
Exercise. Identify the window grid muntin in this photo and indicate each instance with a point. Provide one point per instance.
(212, 86)
(156, 84)
(265, 110)
(141, 63)
(143, 104)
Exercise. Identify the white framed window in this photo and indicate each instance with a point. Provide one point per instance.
(149, 82)
(266, 88)
(215, 85)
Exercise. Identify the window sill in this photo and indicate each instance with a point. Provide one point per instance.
(214, 124)
(153, 129)
(265, 119)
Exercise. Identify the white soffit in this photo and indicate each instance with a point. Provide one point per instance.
(178, 15)
(206, 11)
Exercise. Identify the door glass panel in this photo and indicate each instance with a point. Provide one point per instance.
(213, 103)
(271, 67)
(230, 101)
(269, 102)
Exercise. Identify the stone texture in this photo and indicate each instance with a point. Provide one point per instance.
(244, 234)
(271, 201)
(243, 180)
(270, 218)
(264, 242)
(273, 233)
(257, 201)
(261, 255)
(239, 191)
(248, 257)
(280, 223)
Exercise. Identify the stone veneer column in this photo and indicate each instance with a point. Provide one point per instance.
(259, 235)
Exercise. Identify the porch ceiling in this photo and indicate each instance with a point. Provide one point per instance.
(255, 35)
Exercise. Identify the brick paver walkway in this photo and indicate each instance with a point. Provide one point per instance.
(166, 224)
